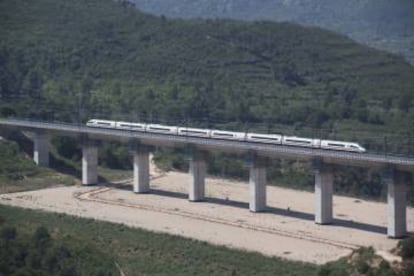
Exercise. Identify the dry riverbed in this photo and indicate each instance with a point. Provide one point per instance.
(286, 230)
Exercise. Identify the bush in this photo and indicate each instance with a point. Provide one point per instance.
(68, 147)
(337, 268)
(362, 267)
(7, 111)
(8, 233)
(385, 269)
(24, 252)
(409, 270)
(41, 234)
(13, 165)
(407, 248)
(324, 271)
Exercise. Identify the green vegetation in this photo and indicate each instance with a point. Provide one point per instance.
(364, 262)
(382, 24)
(35, 242)
(407, 248)
(13, 165)
(18, 172)
(73, 60)
(38, 253)
(90, 247)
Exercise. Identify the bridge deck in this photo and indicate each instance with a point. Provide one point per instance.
(265, 150)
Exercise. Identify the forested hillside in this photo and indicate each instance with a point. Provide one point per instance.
(386, 24)
(106, 56)
(73, 60)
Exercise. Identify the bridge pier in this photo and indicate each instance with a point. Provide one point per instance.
(397, 202)
(323, 192)
(197, 172)
(41, 149)
(141, 169)
(257, 184)
(89, 163)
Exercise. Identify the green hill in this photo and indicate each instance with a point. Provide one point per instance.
(74, 60)
(107, 57)
(384, 24)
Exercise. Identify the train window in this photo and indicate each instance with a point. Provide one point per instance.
(299, 141)
(160, 128)
(336, 145)
(102, 123)
(223, 134)
(265, 138)
(194, 131)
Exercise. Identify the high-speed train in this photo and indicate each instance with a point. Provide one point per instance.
(229, 135)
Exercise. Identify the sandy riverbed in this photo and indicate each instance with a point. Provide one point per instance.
(286, 230)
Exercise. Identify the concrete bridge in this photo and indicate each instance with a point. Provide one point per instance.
(395, 169)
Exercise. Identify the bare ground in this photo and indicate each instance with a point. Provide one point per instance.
(286, 229)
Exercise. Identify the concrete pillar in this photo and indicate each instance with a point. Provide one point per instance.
(396, 213)
(257, 185)
(89, 164)
(323, 193)
(141, 170)
(41, 149)
(198, 175)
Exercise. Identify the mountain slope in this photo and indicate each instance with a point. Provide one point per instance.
(383, 24)
(102, 58)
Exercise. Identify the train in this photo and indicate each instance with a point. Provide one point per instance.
(276, 139)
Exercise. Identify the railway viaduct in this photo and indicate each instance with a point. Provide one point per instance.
(396, 170)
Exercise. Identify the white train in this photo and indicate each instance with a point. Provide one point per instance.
(230, 135)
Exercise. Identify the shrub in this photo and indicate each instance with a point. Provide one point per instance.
(362, 267)
(324, 271)
(385, 268)
(338, 268)
(407, 248)
(409, 270)
(41, 234)
(8, 233)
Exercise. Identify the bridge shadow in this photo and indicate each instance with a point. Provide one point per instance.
(272, 210)
(62, 166)
(119, 186)
(360, 226)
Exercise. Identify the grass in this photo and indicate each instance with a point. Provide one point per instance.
(47, 178)
(143, 252)
(114, 175)
(19, 173)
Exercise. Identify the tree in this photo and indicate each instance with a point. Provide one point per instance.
(405, 103)
(407, 248)
(8, 233)
(41, 235)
